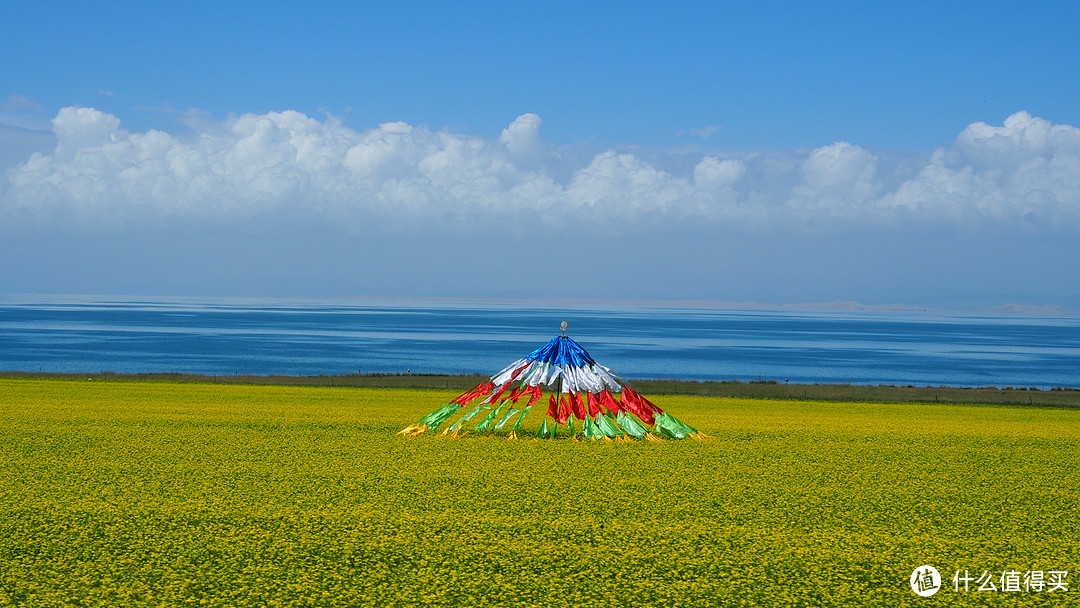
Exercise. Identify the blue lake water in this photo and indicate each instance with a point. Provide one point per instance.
(310, 337)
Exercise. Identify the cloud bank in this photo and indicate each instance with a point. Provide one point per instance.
(285, 166)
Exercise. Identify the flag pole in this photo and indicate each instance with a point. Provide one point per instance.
(558, 388)
(558, 405)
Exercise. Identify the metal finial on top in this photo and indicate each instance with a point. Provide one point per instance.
(562, 326)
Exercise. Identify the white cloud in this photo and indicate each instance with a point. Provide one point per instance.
(713, 172)
(284, 166)
(838, 181)
(1025, 173)
(522, 139)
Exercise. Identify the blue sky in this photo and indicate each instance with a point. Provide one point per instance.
(907, 153)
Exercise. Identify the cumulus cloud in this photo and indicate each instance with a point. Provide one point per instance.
(839, 180)
(1026, 172)
(523, 140)
(285, 165)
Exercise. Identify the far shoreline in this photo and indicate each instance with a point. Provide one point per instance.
(1065, 397)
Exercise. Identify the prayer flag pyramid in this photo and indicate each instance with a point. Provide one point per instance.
(604, 405)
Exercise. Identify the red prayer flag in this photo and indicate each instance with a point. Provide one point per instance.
(564, 410)
(652, 406)
(515, 394)
(536, 394)
(577, 405)
(632, 401)
(594, 407)
(517, 371)
(502, 389)
(480, 389)
(610, 404)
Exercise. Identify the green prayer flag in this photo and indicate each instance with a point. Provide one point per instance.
(681, 428)
(520, 418)
(587, 427)
(506, 416)
(669, 426)
(486, 422)
(607, 426)
(630, 425)
(661, 429)
(434, 419)
(466, 418)
(543, 430)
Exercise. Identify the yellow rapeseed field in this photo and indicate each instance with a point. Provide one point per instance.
(158, 494)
